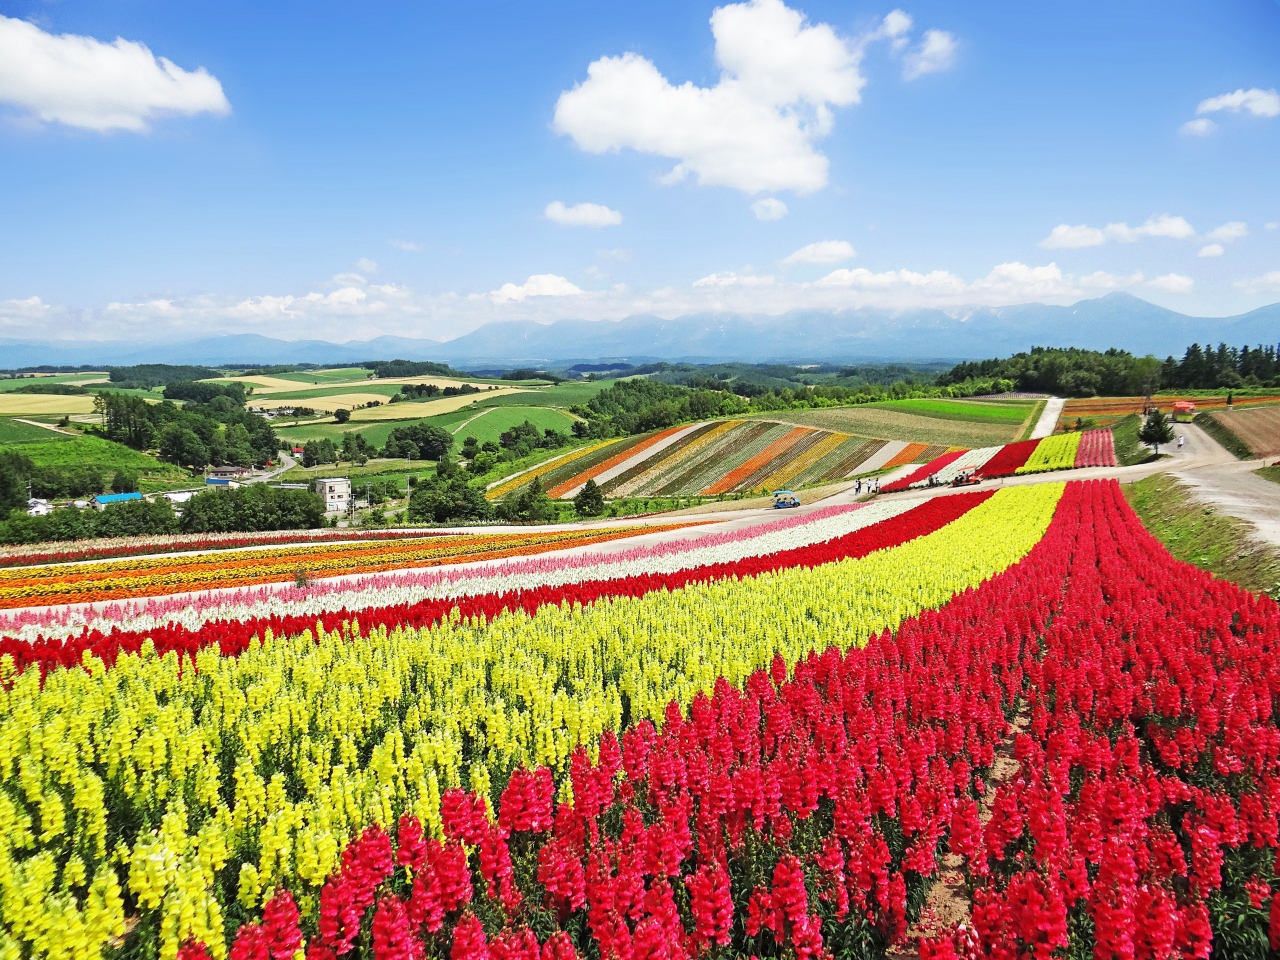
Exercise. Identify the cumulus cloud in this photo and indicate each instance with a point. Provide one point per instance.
(365, 265)
(1260, 103)
(755, 130)
(83, 82)
(770, 208)
(1164, 225)
(1173, 283)
(1234, 230)
(824, 251)
(1211, 250)
(1272, 225)
(582, 215)
(407, 245)
(1267, 283)
(937, 51)
(1066, 237)
(1198, 128)
(730, 279)
(538, 285)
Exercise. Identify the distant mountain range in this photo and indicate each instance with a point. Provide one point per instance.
(802, 336)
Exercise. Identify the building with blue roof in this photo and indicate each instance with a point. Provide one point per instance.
(104, 500)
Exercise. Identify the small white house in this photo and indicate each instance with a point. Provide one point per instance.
(39, 508)
(335, 492)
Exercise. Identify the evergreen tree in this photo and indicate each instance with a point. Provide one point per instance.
(590, 501)
(1156, 430)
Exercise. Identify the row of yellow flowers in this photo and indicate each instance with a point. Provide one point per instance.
(182, 797)
(1053, 453)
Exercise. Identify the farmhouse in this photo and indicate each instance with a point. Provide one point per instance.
(335, 492)
(104, 500)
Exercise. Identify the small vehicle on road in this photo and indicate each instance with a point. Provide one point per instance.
(966, 478)
(782, 499)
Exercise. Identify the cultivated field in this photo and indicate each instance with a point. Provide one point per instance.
(1259, 428)
(875, 420)
(24, 404)
(794, 732)
(1107, 410)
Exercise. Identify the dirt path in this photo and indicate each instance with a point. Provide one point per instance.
(47, 426)
(1230, 485)
(1048, 418)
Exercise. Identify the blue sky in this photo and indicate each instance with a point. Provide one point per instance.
(342, 171)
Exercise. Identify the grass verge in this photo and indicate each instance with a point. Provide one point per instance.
(1210, 425)
(1195, 533)
(1129, 449)
(1271, 473)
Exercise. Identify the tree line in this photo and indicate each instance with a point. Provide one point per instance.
(1073, 372)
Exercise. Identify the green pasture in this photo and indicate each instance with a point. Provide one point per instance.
(485, 424)
(11, 431)
(6, 385)
(1007, 411)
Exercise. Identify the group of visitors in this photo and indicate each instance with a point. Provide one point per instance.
(873, 486)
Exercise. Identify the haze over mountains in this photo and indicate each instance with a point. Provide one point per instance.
(1116, 320)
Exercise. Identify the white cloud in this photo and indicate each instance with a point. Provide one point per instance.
(1272, 225)
(1066, 237)
(1162, 226)
(1198, 128)
(769, 208)
(1235, 230)
(730, 279)
(754, 130)
(407, 245)
(83, 82)
(1267, 283)
(582, 215)
(365, 265)
(1211, 250)
(538, 285)
(1260, 103)
(824, 251)
(937, 51)
(30, 307)
(1173, 283)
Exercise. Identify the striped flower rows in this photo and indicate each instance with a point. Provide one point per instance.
(157, 576)
(1092, 448)
(184, 798)
(406, 588)
(729, 456)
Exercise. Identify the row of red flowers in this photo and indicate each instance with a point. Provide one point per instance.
(1146, 801)
(804, 816)
(233, 636)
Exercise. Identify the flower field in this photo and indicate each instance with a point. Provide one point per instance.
(156, 576)
(719, 457)
(1053, 453)
(108, 548)
(760, 742)
(1092, 448)
(1107, 410)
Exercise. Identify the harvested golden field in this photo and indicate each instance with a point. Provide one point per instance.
(425, 408)
(346, 401)
(24, 404)
(870, 421)
(1259, 428)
